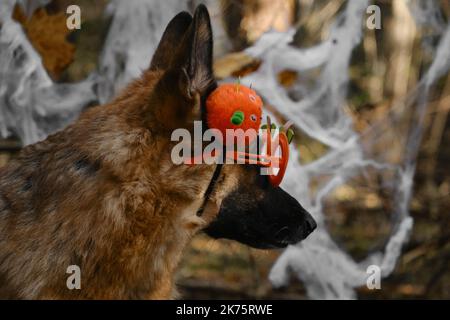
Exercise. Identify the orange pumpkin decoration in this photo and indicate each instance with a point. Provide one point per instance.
(233, 106)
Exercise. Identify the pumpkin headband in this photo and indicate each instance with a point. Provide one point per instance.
(232, 106)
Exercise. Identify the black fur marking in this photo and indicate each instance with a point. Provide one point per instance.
(28, 184)
(87, 166)
(5, 204)
(56, 228)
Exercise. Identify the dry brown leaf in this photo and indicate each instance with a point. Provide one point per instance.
(236, 64)
(48, 35)
(287, 78)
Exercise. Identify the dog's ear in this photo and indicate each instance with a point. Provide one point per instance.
(170, 41)
(195, 55)
(187, 76)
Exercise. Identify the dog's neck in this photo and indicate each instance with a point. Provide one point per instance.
(165, 257)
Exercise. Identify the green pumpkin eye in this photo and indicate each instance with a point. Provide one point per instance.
(237, 118)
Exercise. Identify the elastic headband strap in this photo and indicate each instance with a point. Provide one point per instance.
(210, 189)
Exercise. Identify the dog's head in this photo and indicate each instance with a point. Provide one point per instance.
(241, 204)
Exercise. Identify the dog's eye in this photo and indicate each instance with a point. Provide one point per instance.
(253, 117)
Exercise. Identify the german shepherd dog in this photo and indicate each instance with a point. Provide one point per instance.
(104, 195)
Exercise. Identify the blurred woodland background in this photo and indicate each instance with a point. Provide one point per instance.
(384, 68)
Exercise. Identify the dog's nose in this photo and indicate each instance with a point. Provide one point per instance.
(311, 224)
(306, 228)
